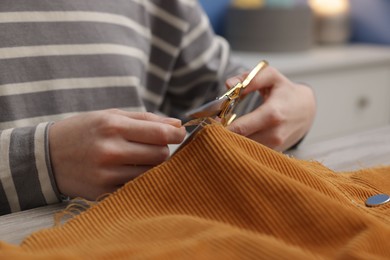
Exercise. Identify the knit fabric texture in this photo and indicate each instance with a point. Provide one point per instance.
(224, 196)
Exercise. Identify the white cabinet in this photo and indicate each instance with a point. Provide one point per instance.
(351, 83)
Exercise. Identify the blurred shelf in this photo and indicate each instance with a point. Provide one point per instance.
(319, 59)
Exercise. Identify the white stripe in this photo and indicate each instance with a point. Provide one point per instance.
(163, 45)
(71, 49)
(71, 83)
(224, 60)
(80, 49)
(37, 120)
(40, 162)
(196, 32)
(190, 3)
(79, 16)
(151, 97)
(164, 15)
(5, 171)
(211, 78)
(73, 16)
(199, 61)
(163, 74)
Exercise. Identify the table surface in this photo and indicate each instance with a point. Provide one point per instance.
(365, 149)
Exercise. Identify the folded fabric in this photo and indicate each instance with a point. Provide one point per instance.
(225, 196)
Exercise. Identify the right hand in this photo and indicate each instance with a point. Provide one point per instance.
(97, 152)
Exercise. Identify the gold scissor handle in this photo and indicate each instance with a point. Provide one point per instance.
(234, 94)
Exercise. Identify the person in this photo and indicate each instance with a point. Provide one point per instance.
(93, 91)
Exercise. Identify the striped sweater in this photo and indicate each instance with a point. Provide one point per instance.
(62, 57)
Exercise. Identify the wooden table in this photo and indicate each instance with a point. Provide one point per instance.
(361, 150)
(370, 148)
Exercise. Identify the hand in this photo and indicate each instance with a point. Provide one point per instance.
(285, 116)
(95, 153)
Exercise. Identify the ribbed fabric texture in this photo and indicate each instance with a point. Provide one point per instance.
(224, 196)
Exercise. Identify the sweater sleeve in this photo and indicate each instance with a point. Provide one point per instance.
(202, 67)
(26, 179)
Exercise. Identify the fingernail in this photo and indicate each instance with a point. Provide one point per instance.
(232, 81)
(172, 121)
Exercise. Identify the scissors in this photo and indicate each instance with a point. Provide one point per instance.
(222, 107)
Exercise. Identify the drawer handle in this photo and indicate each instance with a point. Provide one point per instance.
(363, 102)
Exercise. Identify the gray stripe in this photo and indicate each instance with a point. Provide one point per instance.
(48, 163)
(210, 68)
(5, 170)
(121, 7)
(177, 105)
(150, 106)
(165, 31)
(113, 6)
(209, 92)
(58, 67)
(31, 34)
(161, 59)
(65, 101)
(174, 8)
(4, 206)
(156, 85)
(24, 172)
(196, 48)
(192, 16)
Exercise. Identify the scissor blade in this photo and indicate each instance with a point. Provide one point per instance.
(254, 72)
(210, 109)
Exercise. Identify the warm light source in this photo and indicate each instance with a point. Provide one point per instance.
(332, 20)
(329, 7)
(248, 3)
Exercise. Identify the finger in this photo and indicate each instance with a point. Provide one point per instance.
(231, 82)
(144, 154)
(266, 78)
(260, 119)
(154, 133)
(150, 128)
(130, 153)
(146, 116)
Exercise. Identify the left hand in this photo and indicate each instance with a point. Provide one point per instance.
(284, 117)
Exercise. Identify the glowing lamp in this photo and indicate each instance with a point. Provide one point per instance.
(332, 20)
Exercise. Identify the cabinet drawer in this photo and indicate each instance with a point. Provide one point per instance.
(348, 100)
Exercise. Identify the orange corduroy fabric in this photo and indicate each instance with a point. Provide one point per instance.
(224, 196)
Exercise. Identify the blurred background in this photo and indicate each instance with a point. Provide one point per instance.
(369, 19)
(341, 48)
